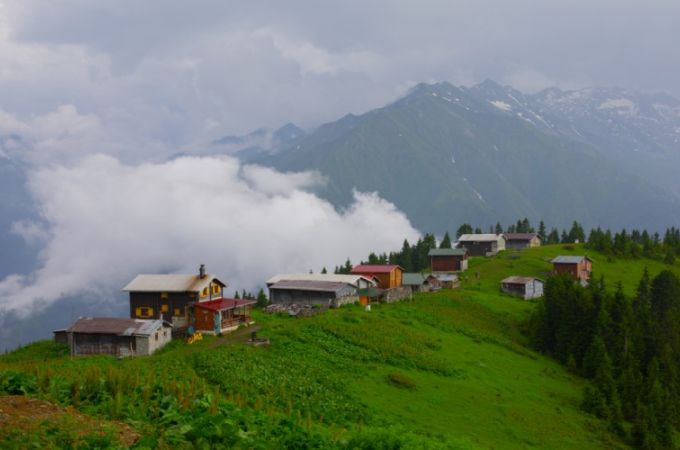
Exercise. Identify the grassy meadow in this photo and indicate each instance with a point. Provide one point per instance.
(444, 370)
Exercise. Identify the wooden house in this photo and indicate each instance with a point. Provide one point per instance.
(448, 259)
(220, 315)
(313, 292)
(168, 296)
(578, 267)
(115, 336)
(482, 244)
(520, 241)
(359, 281)
(525, 287)
(389, 275)
(421, 282)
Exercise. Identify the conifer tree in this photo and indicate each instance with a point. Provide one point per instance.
(446, 241)
(542, 231)
(262, 300)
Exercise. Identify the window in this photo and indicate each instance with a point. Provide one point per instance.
(164, 295)
(216, 288)
(204, 292)
(178, 312)
(164, 308)
(156, 336)
(143, 312)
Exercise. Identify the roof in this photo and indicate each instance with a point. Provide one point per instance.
(222, 304)
(488, 237)
(115, 325)
(170, 283)
(447, 252)
(375, 268)
(520, 236)
(569, 259)
(349, 279)
(415, 279)
(310, 285)
(519, 280)
(446, 276)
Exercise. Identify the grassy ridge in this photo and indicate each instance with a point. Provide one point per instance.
(448, 369)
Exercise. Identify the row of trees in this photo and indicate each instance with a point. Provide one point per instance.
(628, 347)
(636, 244)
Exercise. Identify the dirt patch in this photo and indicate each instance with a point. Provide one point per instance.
(29, 414)
(239, 336)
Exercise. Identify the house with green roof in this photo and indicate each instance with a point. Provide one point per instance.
(448, 260)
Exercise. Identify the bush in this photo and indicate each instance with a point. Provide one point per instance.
(401, 381)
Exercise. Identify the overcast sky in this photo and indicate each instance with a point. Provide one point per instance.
(175, 72)
(95, 95)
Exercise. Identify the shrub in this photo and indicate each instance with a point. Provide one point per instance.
(401, 381)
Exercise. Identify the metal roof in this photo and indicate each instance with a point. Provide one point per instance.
(520, 280)
(520, 236)
(447, 252)
(222, 304)
(115, 325)
(488, 237)
(446, 276)
(341, 278)
(569, 259)
(310, 285)
(375, 268)
(171, 283)
(415, 279)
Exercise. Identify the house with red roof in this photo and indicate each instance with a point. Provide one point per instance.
(388, 275)
(220, 315)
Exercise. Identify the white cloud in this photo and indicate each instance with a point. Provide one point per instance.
(107, 221)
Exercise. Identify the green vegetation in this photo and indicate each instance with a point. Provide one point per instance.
(451, 369)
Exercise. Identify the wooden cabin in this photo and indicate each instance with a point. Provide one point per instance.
(220, 315)
(448, 259)
(311, 292)
(363, 285)
(578, 267)
(115, 336)
(524, 287)
(520, 241)
(421, 282)
(389, 275)
(167, 297)
(481, 244)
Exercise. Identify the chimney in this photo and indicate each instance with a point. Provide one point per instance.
(201, 271)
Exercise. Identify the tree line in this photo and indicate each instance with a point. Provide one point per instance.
(628, 347)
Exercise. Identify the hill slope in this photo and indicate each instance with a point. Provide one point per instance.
(448, 369)
(447, 155)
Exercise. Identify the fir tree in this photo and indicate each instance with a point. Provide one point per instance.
(446, 241)
(262, 300)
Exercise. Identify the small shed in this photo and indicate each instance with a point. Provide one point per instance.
(520, 241)
(389, 275)
(221, 315)
(525, 287)
(310, 292)
(115, 336)
(447, 280)
(482, 244)
(448, 259)
(421, 282)
(578, 267)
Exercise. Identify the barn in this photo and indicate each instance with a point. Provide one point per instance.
(520, 241)
(525, 287)
(421, 282)
(448, 259)
(221, 315)
(577, 267)
(313, 292)
(115, 336)
(482, 244)
(389, 275)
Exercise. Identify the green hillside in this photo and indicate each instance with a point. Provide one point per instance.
(445, 156)
(444, 370)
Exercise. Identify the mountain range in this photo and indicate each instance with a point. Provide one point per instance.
(446, 155)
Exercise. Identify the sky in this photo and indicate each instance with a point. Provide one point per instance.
(97, 96)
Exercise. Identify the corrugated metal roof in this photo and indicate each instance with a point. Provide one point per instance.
(310, 285)
(446, 276)
(170, 283)
(342, 278)
(415, 279)
(519, 280)
(447, 252)
(480, 237)
(520, 236)
(569, 259)
(375, 268)
(115, 325)
(222, 304)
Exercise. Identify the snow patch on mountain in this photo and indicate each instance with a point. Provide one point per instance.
(501, 105)
(622, 106)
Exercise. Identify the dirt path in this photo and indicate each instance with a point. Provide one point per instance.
(18, 412)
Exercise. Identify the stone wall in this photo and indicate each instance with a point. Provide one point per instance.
(396, 294)
(347, 300)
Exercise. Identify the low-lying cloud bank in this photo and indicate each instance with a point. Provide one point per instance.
(104, 221)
